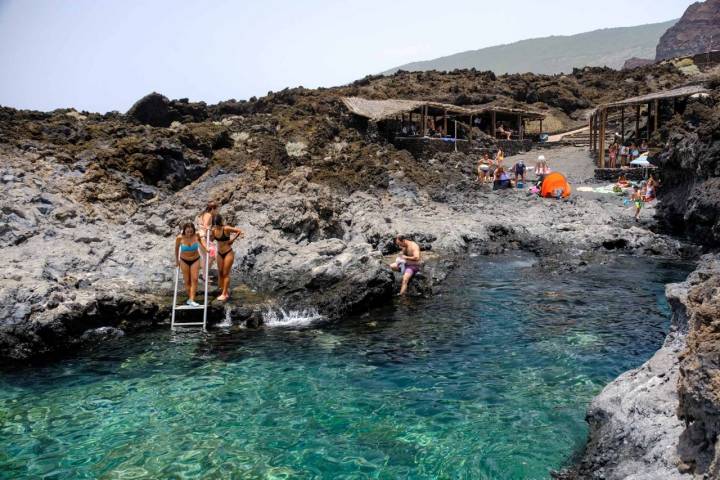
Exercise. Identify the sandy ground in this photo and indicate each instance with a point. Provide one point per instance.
(578, 167)
(573, 162)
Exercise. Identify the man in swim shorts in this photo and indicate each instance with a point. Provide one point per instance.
(408, 262)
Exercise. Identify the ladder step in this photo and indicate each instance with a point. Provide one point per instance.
(189, 307)
(184, 324)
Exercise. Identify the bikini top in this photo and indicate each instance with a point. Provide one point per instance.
(223, 238)
(189, 248)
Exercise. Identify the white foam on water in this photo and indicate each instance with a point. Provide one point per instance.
(227, 322)
(290, 318)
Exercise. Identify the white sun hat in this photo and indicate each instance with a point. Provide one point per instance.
(541, 157)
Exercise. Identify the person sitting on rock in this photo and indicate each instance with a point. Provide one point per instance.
(204, 222)
(502, 180)
(650, 189)
(225, 254)
(408, 262)
(188, 246)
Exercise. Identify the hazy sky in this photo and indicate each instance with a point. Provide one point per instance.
(103, 55)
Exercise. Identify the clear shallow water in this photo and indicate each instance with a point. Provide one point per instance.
(490, 379)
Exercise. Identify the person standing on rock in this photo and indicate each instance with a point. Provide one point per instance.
(408, 263)
(499, 158)
(221, 233)
(483, 169)
(204, 222)
(637, 199)
(519, 172)
(188, 246)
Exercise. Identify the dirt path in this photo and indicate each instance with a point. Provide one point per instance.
(560, 136)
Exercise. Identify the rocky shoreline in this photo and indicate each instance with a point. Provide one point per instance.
(307, 246)
(639, 428)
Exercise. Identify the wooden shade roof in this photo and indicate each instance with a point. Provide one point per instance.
(666, 94)
(377, 110)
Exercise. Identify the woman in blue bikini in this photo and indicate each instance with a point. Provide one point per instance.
(188, 246)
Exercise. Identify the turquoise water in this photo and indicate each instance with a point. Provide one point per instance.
(488, 379)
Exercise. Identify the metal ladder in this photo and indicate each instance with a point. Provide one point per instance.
(202, 307)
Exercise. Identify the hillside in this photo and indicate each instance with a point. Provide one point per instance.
(557, 54)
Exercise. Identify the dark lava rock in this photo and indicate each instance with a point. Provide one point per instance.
(153, 109)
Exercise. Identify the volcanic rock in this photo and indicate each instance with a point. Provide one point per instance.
(694, 33)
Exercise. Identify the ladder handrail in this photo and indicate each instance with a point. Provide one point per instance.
(207, 275)
(177, 277)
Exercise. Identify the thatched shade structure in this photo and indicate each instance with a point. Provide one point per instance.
(651, 102)
(651, 97)
(379, 110)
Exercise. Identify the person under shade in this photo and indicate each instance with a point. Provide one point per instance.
(613, 154)
(501, 132)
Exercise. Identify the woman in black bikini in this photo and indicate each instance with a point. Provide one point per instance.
(225, 255)
(188, 246)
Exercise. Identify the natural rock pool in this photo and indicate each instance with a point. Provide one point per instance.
(488, 379)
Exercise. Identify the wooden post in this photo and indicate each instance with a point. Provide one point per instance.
(470, 131)
(601, 158)
(592, 127)
(424, 120)
(455, 142)
(622, 124)
(637, 124)
(541, 120)
(519, 127)
(445, 130)
(596, 128)
(657, 115)
(494, 124)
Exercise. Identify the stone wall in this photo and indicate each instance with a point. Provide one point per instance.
(612, 174)
(423, 147)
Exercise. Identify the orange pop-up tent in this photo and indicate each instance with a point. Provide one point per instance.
(554, 183)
